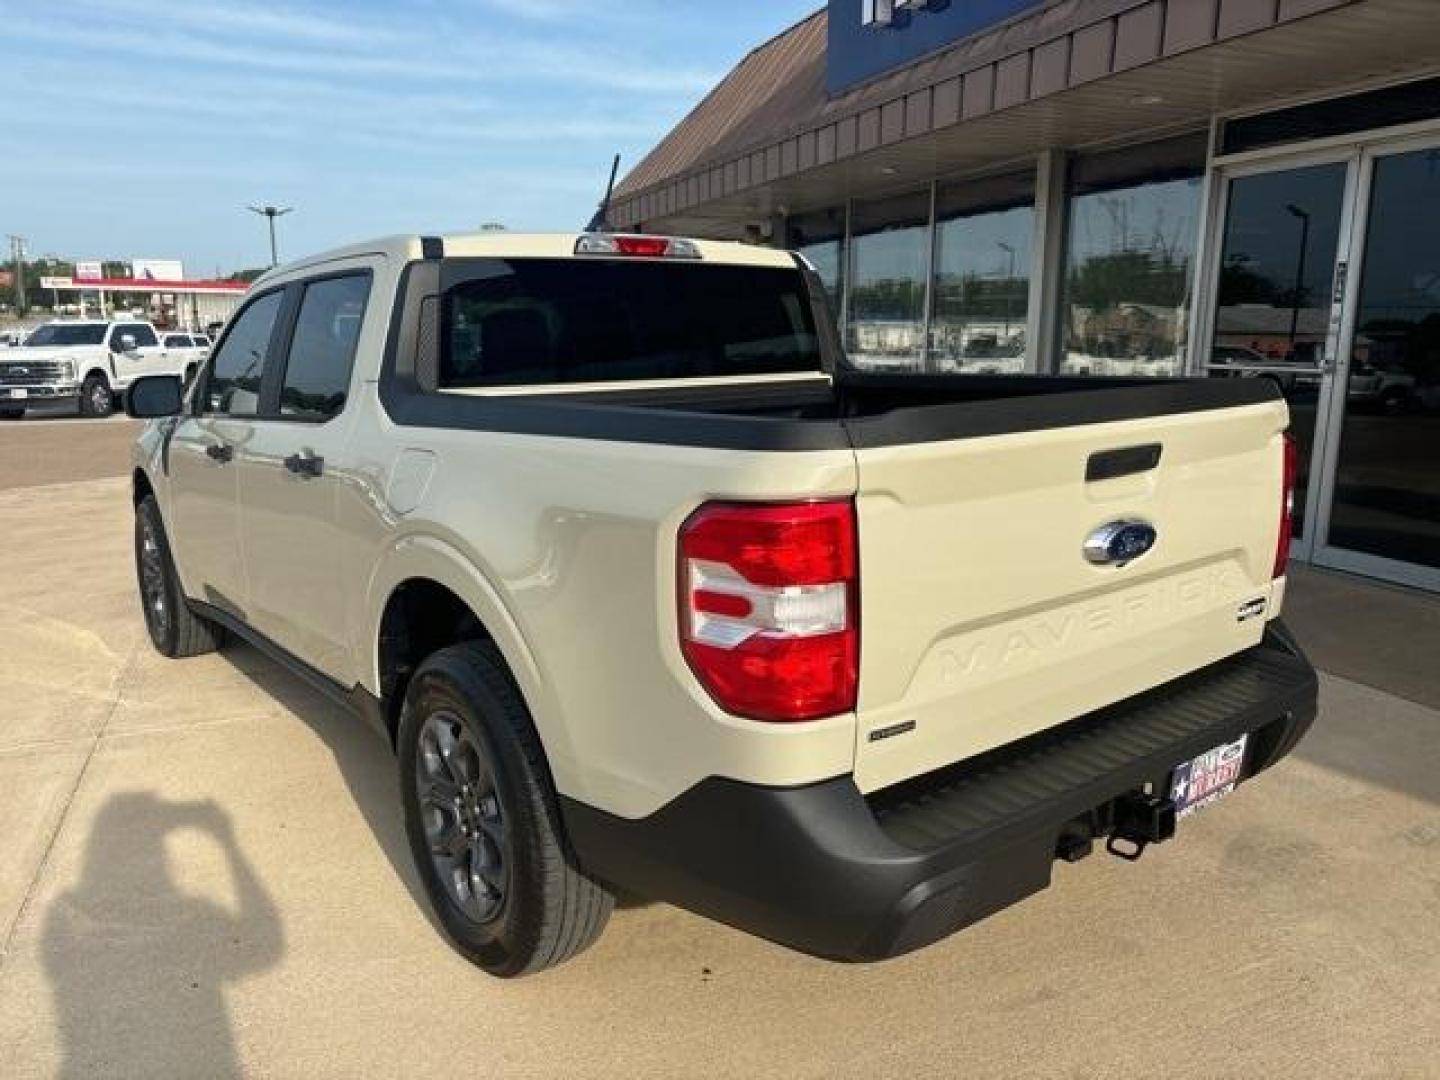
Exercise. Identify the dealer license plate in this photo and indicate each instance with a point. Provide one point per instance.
(1197, 783)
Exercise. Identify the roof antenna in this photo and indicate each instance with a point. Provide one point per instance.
(601, 221)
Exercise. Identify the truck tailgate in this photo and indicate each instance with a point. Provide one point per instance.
(983, 621)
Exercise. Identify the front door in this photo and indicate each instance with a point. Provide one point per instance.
(146, 357)
(1280, 257)
(1325, 277)
(1379, 510)
(204, 524)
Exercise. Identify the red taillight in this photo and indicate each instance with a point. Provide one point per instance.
(769, 615)
(1287, 507)
(653, 247)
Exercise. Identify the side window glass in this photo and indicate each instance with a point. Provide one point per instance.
(144, 335)
(233, 385)
(322, 351)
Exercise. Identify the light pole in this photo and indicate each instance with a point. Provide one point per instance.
(271, 213)
(1009, 283)
(1304, 217)
(17, 249)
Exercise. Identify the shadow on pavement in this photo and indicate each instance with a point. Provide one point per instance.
(366, 763)
(1370, 635)
(137, 966)
(1379, 740)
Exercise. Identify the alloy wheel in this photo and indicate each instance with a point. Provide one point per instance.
(152, 580)
(464, 823)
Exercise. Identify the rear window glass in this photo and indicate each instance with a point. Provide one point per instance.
(575, 320)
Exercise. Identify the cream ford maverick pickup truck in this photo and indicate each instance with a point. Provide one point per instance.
(651, 591)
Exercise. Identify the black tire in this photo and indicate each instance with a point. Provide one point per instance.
(96, 397)
(175, 630)
(11, 414)
(508, 891)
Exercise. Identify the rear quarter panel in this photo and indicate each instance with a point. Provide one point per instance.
(572, 544)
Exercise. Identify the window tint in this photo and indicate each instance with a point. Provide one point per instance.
(576, 320)
(317, 374)
(233, 386)
(177, 341)
(144, 336)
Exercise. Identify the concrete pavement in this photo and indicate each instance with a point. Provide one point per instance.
(204, 874)
(39, 450)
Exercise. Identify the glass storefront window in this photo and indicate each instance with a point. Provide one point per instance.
(889, 266)
(982, 275)
(820, 237)
(1129, 273)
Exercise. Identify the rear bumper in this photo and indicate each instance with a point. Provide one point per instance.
(826, 870)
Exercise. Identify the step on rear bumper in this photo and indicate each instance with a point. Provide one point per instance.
(825, 870)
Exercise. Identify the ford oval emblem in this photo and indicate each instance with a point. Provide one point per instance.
(1119, 542)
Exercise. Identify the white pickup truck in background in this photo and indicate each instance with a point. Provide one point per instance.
(87, 362)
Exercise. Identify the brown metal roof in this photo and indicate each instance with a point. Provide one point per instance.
(1067, 74)
(772, 88)
(779, 90)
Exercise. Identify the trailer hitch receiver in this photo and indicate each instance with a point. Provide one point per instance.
(1140, 820)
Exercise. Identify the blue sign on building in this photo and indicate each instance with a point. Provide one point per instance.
(869, 37)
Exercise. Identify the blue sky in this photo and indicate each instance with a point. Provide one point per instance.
(146, 126)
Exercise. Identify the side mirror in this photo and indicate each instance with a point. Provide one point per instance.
(127, 343)
(154, 395)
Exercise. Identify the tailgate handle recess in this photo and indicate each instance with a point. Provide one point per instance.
(1108, 464)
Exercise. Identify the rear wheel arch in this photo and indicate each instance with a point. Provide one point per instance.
(420, 617)
(414, 559)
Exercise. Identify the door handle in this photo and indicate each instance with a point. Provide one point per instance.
(305, 464)
(221, 452)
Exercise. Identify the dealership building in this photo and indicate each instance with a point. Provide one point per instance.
(1238, 188)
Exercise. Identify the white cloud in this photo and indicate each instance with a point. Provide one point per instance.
(266, 21)
(472, 56)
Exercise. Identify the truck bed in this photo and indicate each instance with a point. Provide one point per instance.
(859, 410)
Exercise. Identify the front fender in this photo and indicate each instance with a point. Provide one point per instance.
(147, 458)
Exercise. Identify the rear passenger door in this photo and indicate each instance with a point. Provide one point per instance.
(296, 463)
